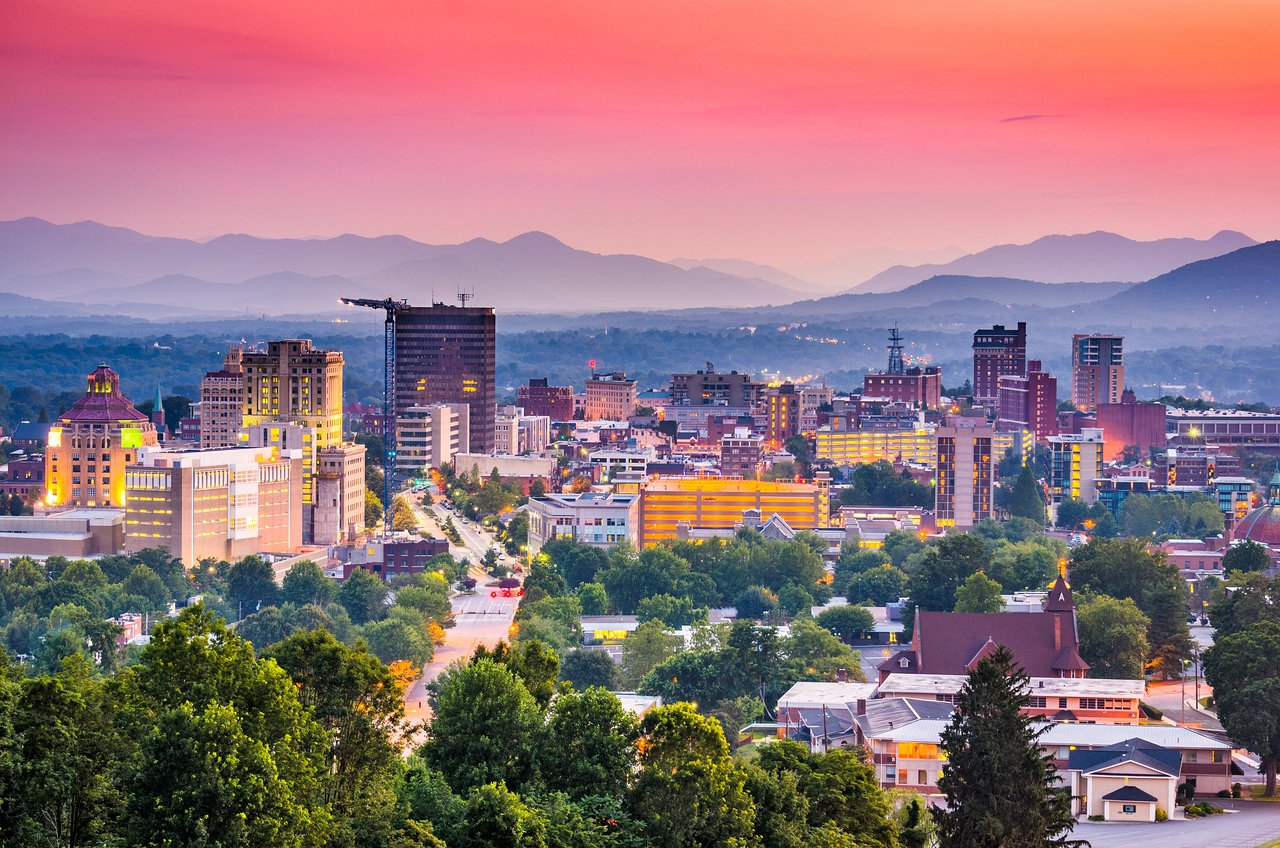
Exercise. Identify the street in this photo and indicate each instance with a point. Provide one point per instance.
(1255, 823)
(479, 618)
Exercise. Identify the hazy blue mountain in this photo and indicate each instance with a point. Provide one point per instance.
(534, 271)
(746, 268)
(1244, 284)
(1004, 291)
(842, 272)
(1088, 257)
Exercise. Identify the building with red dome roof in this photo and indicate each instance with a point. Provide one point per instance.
(91, 444)
(1262, 525)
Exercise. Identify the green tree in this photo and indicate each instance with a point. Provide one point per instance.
(251, 585)
(496, 817)
(1246, 557)
(594, 599)
(589, 744)
(793, 600)
(306, 583)
(1072, 513)
(1113, 636)
(363, 595)
(755, 602)
(979, 593)
(1001, 787)
(394, 639)
(812, 649)
(265, 628)
(850, 623)
(484, 728)
(1027, 501)
(145, 583)
(372, 508)
(841, 790)
(353, 695)
(671, 611)
(1242, 669)
(688, 792)
(880, 585)
(944, 567)
(582, 668)
(643, 649)
(900, 545)
(1256, 600)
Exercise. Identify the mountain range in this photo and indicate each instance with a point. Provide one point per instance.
(87, 267)
(1085, 258)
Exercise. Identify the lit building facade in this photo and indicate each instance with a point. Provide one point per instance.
(610, 397)
(668, 502)
(447, 355)
(997, 352)
(293, 381)
(915, 445)
(965, 473)
(708, 388)
(92, 443)
(1075, 464)
(1029, 401)
(222, 401)
(592, 518)
(782, 405)
(430, 436)
(225, 504)
(1097, 370)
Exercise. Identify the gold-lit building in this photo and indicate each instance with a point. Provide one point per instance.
(292, 381)
(965, 469)
(862, 447)
(225, 504)
(667, 502)
(91, 444)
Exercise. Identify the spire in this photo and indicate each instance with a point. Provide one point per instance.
(1060, 598)
(1275, 486)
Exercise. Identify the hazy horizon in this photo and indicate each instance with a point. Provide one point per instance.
(749, 131)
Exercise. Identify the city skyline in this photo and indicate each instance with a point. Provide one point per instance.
(756, 132)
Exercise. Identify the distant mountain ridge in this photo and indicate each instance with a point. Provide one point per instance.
(1088, 257)
(92, 263)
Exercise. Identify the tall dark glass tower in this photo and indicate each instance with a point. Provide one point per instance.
(445, 354)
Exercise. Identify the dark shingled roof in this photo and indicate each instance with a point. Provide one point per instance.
(1129, 793)
(949, 641)
(1163, 760)
(888, 713)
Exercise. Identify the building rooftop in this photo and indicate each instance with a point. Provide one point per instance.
(816, 694)
(1040, 686)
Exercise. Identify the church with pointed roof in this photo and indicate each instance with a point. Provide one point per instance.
(1045, 644)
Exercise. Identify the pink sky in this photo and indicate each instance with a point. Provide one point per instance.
(780, 132)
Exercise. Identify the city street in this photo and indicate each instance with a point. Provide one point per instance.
(1255, 823)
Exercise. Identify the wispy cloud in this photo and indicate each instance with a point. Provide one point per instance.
(1032, 118)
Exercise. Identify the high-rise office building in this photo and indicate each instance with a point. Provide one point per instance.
(708, 388)
(1029, 401)
(782, 405)
(538, 398)
(91, 443)
(964, 494)
(222, 402)
(445, 355)
(997, 352)
(293, 381)
(1097, 370)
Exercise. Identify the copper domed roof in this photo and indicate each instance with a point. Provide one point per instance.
(103, 402)
(1263, 524)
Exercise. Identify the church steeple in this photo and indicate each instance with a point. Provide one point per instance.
(1060, 598)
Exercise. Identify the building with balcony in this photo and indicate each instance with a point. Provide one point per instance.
(1097, 370)
(965, 472)
(1075, 465)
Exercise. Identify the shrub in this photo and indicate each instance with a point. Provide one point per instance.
(1225, 793)
(1161, 815)
(1237, 790)
(1097, 818)
(1152, 713)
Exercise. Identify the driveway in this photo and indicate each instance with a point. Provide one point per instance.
(1255, 823)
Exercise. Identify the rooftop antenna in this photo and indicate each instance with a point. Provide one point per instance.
(895, 352)
(464, 296)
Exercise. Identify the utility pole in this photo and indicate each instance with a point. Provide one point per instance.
(388, 398)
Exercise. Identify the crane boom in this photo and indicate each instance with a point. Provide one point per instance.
(391, 307)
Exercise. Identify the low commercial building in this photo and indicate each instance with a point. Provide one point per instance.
(225, 504)
(668, 502)
(520, 468)
(1080, 699)
(74, 534)
(611, 397)
(387, 557)
(592, 518)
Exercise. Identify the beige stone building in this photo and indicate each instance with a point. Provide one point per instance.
(338, 514)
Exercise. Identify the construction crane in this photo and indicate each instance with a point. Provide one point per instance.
(388, 399)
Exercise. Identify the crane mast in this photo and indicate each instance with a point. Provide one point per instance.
(391, 307)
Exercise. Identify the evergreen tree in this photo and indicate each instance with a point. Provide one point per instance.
(1026, 501)
(999, 784)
